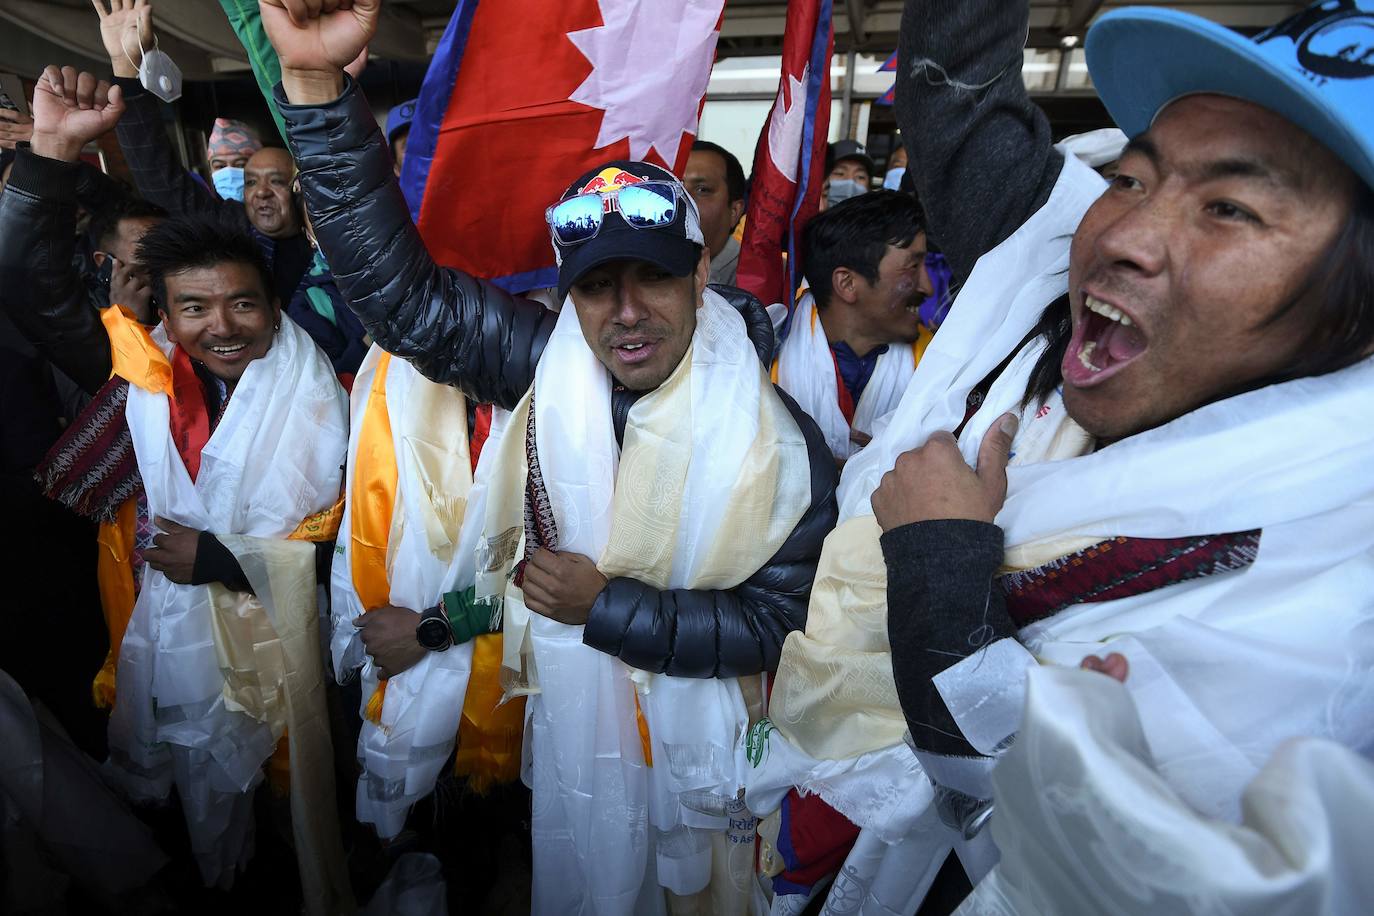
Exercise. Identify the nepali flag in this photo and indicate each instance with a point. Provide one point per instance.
(889, 66)
(522, 96)
(789, 161)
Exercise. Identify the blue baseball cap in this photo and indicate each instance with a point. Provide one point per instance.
(1315, 68)
(399, 118)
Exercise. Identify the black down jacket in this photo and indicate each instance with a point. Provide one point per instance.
(460, 330)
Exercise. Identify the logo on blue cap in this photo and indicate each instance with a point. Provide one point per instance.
(1312, 69)
(1333, 40)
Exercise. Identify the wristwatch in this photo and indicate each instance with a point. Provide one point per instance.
(433, 631)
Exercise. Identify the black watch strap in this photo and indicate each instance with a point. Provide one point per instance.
(433, 631)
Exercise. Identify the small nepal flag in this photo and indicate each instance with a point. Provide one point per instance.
(789, 161)
(889, 66)
(522, 96)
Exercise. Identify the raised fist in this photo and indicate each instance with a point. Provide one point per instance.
(71, 109)
(126, 28)
(317, 39)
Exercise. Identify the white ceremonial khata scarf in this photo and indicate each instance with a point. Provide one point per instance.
(834, 702)
(1224, 668)
(191, 709)
(402, 755)
(712, 478)
(1086, 824)
(840, 728)
(806, 371)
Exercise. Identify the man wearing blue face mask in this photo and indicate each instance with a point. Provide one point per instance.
(896, 167)
(232, 144)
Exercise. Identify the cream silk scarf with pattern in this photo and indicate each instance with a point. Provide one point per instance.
(208, 679)
(713, 477)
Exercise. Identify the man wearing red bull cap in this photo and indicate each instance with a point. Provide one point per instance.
(648, 525)
(1176, 367)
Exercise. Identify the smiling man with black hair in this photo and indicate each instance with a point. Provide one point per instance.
(212, 440)
(266, 204)
(856, 333)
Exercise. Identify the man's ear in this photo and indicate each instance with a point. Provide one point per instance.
(164, 317)
(99, 257)
(702, 275)
(736, 213)
(844, 285)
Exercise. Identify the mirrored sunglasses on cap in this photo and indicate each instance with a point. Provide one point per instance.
(644, 205)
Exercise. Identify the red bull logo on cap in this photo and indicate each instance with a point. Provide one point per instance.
(612, 179)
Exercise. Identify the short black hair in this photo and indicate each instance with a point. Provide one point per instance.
(199, 240)
(855, 233)
(105, 224)
(734, 172)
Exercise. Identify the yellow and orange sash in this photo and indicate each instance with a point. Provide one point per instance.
(139, 361)
(375, 478)
(490, 735)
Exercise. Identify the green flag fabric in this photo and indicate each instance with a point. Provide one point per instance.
(246, 20)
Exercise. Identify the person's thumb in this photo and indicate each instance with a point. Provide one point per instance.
(995, 452)
(114, 105)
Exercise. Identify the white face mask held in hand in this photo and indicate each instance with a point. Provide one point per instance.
(845, 188)
(158, 73)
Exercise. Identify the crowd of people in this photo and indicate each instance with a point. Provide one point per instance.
(1021, 565)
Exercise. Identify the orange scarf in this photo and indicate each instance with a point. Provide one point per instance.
(489, 736)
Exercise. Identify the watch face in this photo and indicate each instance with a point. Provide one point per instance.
(433, 633)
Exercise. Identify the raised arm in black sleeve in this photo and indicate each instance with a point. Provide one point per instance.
(718, 633)
(157, 173)
(454, 328)
(942, 606)
(41, 291)
(980, 151)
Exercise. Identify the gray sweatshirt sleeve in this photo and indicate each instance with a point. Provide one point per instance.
(943, 605)
(980, 151)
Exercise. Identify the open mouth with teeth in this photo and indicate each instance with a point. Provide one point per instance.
(228, 352)
(634, 352)
(1104, 342)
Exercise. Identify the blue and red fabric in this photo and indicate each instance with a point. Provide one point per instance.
(789, 160)
(1121, 567)
(889, 66)
(814, 840)
(497, 134)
